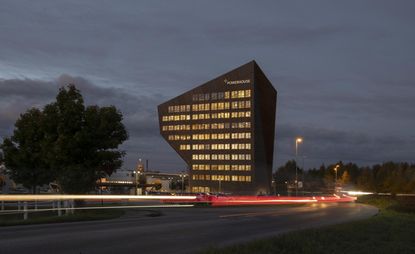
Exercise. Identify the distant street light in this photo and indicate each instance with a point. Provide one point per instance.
(298, 140)
(274, 185)
(220, 179)
(335, 177)
(136, 173)
(182, 176)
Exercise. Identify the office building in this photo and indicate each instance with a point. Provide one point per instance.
(224, 131)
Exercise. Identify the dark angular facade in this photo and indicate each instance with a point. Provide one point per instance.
(224, 131)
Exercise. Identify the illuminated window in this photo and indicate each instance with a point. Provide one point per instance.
(178, 108)
(201, 157)
(241, 125)
(179, 137)
(241, 94)
(241, 114)
(243, 146)
(223, 115)
(184, 147)
(234, 104)
(180, 127)
(241, 135)
(200, 126)
(200, 189)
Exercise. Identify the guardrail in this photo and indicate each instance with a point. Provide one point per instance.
(65, 204)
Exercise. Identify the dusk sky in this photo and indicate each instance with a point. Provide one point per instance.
(344, 70)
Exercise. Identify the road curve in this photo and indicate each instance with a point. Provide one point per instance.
(179, 230)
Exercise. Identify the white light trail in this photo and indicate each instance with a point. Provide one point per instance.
(91, 197)
(357, 193)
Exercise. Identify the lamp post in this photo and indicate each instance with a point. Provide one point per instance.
(182, 176)
(274, 185)
(297, 141)
(286, 184)
(136, 182)
(335, 177)
(136, 173)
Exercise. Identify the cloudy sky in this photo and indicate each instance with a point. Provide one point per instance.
(344, 70)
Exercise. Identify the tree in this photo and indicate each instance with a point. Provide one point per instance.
(365, 181)
(178, 184)
(81, 142)
(67, 142)
(286, 173)
(345, 179)
(23, 154)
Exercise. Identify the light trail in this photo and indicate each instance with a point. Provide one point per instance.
(4, 212)
(91, 197)
(271, 200)
(357, 193)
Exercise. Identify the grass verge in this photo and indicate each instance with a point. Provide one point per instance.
(391, 231)
(51, 217)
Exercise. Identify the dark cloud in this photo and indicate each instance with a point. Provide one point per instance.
(266, 35)
(140, 115)
(331, 145)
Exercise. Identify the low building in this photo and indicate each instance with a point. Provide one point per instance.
(126, 182)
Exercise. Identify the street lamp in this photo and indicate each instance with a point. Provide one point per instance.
(274, 185)
(335, 177)
(220, 179)
(136, 181)
(182, 176)
(136, 175)
(298, 140)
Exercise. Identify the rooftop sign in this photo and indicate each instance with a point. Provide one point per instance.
(237, 82)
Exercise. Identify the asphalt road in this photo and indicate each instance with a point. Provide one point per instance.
(178, 230)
